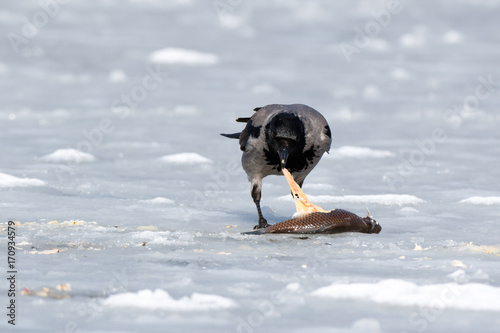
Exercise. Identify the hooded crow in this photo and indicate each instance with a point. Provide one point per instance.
(281, 136)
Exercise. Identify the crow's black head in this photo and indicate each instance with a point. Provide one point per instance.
(285, 137)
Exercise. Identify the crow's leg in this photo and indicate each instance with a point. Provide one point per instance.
(256, 194)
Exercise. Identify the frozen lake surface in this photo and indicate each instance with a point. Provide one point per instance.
(129, 205)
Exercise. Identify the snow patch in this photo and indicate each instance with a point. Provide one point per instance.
(179, 56)
(453, 37)
(7, 181)
(481, 200)
(471, 296)
(185, 158)
(345, 113)
(294, 286)
(381, 199)
(378, 45)
(400, 74)
(408, 211)
(68, 156)
(360, 152)
(117, 75)
(416, 39)
(371, 92)
(367, 325)
(3, 68)
(185, 110)
(161, 300)
(265, 88)
(158, 200)
(179, 238)
(409, 40)
(172, 3)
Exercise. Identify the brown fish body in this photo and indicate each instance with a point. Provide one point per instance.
(332, 222)
(316, 220)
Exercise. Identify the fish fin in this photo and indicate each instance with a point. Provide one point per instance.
(232, 136)
(326, 228)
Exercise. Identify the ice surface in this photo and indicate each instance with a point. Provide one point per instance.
(145, 87)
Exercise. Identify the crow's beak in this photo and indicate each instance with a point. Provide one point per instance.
(283, 152)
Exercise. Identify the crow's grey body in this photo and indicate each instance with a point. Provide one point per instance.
(292, 136)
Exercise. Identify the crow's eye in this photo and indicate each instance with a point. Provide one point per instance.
(328, 133)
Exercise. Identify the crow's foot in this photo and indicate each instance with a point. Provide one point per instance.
(262, 224)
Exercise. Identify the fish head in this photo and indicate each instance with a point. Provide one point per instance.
(370, 221)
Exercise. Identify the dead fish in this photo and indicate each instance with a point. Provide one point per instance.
(332, 222)
(313, 219)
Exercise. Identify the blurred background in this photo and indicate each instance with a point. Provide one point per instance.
(110, 116)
